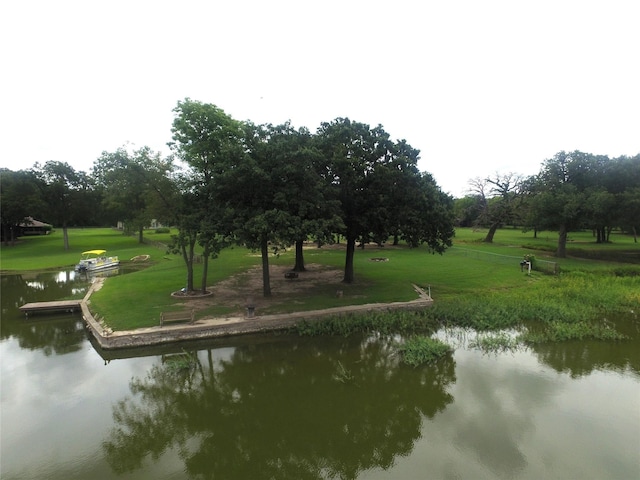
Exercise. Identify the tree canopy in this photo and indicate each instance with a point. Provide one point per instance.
(573, 190)
(269, 187)
(272, 186)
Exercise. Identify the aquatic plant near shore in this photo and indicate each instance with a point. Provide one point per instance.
(384, 322)
(495, 342)
(419, 350)
(562, 332)
(343, 375)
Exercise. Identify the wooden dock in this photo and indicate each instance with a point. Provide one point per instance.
(58, 306)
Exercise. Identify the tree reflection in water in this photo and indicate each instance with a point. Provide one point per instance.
(53, 334)
(281, 410)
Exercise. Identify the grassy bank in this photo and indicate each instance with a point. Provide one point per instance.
(486, 290)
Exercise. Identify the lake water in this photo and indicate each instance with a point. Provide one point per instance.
(286, 407)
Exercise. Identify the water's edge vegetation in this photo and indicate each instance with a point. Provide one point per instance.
(489, 295)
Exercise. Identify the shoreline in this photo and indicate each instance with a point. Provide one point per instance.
(219, 327)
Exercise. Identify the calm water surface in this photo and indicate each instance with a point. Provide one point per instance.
(294, 408)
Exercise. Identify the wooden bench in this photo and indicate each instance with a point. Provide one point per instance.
(183, 316)
(291, 275)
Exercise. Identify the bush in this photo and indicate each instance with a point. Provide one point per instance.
(163, 230)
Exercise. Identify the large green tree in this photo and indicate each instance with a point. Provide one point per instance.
(209, 142)
(411, 204)
(352, 152)
(265, 191)
(622, 179)
(20, 200)
(428, 216)
(67, 194)
(467, 210)
(132, 185)
(380, 190)
(559, 194)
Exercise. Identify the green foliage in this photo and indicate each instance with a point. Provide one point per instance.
(419, 350)
(495, 342)
(133, 186)
(380, 190)
(384, 323)
(577, 189)
(558, 331)
(471, 293)
(19, 198)
(162, 230)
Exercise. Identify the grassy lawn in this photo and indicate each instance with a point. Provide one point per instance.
(47, 251)
(468, 277)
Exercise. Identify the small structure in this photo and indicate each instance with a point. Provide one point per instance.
(181, 316)
(251, 308)
(30, 226)
(525, 264)
(56, 306)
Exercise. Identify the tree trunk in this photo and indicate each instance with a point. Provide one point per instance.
(205, 270)
(491, 233)
(140, 235)
(562, 242)
(187, 255)
(65, 236)
(266, 284)
(348, 264)
(635, 234)
(299, 266)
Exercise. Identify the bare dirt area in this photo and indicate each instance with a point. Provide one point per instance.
(243, 289)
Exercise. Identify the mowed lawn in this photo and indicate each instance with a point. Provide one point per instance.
(470, 268)
(47, 251)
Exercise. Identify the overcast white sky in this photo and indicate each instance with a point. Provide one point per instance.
(479, 86)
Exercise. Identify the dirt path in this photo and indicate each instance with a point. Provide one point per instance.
(244, 288)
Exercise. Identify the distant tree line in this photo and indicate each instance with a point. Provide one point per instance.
(573, 190)
(264, 186)
(273, 186)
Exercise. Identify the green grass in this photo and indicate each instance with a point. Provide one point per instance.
(47, 251)
(136, 300)
(580, 245)
(486, 291)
